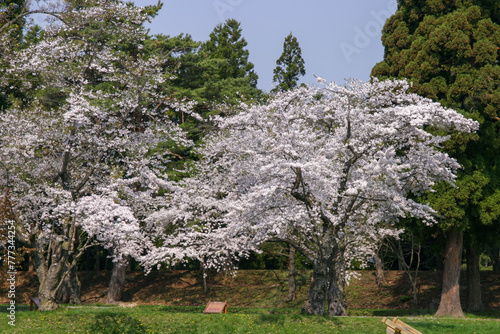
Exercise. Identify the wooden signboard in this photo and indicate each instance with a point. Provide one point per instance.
(216, 307)
(397, 326)
(34, 301)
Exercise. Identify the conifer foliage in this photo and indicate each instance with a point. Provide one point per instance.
(228, 56)
(290, 65)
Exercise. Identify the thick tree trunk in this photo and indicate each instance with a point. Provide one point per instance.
(327, 284)
(69, 292)
(47, 298)
(53, 268)
(474, 302)
(316, 296)
(49, 277)
(117, 281)
(336, 291)
(379, 274)
(292, 286)
(450, 296)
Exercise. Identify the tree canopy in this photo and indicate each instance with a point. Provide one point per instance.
(290, 65)
(327, 170)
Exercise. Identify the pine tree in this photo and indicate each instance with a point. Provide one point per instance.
(449, 49)
(230, 72)
(290, 65)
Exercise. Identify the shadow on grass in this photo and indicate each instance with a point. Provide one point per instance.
(272, 319)
(3, 308)
(428, 327)
(176, 309)
(485, 314)
(398, 313)
(115, 323)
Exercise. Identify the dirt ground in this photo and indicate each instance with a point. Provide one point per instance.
(258, 288)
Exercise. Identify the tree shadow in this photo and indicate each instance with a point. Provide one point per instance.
(432, 327)
(429, 291)
(115, 323)
(402, 312)
(179, 309)
(4, 309)
(146, 286)
(272, 319)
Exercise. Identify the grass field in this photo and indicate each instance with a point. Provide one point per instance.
(176, 319)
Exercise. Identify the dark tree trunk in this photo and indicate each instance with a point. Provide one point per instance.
(336, 291)
(130, 266)
(495, 258)
(400, 264)
(450, 296)
(117, 281)
(379, 274)
(292, 286)
(316, 296)
(97, 258)
(106, 261)
(474, 302)
(88, 259)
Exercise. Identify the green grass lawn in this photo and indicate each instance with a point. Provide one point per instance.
(171, 319)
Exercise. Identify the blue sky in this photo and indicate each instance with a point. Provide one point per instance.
(339, 39)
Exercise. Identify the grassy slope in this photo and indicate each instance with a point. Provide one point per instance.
(256, 288)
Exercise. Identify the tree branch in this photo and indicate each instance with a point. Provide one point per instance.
(30, 12)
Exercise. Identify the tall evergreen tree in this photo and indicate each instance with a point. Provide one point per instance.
(227, 62)
(226, 42)
(211, 72)
(11, 32)
(449, 49)
(290, 65)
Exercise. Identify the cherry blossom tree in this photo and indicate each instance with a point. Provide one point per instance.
(82, 156)
(327, 169)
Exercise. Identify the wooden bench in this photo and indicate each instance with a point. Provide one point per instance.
(397, 326)
(34, 301)
(216, 307)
